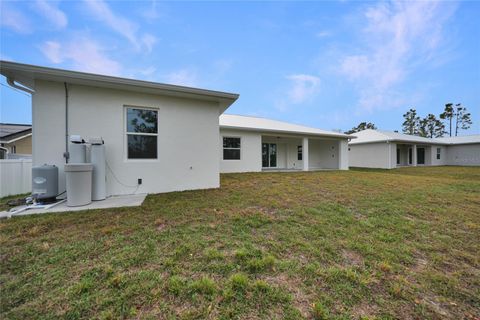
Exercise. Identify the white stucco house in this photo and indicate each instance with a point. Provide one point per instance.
(251, 144)
(171, 137)
(389, 150)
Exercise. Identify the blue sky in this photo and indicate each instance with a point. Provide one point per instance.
(325, 64)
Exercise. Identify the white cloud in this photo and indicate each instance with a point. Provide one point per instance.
(399, 37)
(126, 28)
(222, 66)
(14, 19)
(83, 54)
(53, 51)
(54, 15)
(148, 41)
(303, 87)
(323, 34)
(149, 71)
(151, 13)
(183, 77)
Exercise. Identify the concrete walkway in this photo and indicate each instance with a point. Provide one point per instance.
(134, 200)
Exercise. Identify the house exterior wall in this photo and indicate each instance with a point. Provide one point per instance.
(323, 154)
(463, 155)
(250, 152)
(443, 155)
(392, 155)
(371, 155)
(187, 136)
(376, 155)
(292, 155)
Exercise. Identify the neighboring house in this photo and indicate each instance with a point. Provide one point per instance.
(256, 144)
(462, 150)
(15, 139)
(389, 150)
(158, 137)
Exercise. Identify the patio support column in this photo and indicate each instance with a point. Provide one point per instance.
(414, 155)
(343, 154)
(305, 154)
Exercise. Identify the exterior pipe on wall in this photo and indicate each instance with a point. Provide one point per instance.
(66, 155)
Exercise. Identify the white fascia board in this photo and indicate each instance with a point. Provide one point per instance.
(286, 132)
(26, 75)
(16, 139)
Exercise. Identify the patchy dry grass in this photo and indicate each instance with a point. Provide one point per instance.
(363, 244)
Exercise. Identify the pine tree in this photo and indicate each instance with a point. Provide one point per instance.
(448, 114)
(412, 122)
(463, 118)
(431, 127)
(361, 126)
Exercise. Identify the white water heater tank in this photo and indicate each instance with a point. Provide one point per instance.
(97, 158)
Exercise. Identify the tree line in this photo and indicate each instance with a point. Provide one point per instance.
(456, 117)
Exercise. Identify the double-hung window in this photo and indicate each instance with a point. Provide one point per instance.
(299, 153)
(439, 152)
(231, 148)
(142, 133)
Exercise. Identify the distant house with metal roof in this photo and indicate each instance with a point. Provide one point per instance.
(389, 150)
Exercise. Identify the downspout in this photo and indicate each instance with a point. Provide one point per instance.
(11, 83)
(66, 155)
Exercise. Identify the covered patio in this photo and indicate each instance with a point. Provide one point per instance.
(413, 155)
(290, 153)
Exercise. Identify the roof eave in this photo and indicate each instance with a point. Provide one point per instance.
(26, 74)
(400, 141)
(326, 135)
(15, 137)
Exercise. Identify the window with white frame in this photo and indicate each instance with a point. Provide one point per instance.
(231, 148)
(299, 153)
(439, 152)
(142, 133)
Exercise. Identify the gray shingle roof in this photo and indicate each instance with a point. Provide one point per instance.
(9, 130)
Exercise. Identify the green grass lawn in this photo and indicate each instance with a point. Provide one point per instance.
(359, 244)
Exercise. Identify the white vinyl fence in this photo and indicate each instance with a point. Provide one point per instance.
(15, 176)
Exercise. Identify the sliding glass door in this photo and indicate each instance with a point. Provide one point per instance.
(420, 155)
(269, 155)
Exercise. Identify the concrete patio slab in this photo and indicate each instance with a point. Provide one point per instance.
(133, 200)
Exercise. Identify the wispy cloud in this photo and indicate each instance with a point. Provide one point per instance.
(151, 12)
(398, 38)
(303, 87)
(182, 77)
(14, 19)
(51, 12)
(222, 66)
(323, 34)
(148, 41)
(82, 54)
(123, 26)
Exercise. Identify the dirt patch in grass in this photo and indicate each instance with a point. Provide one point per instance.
(352, 258)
